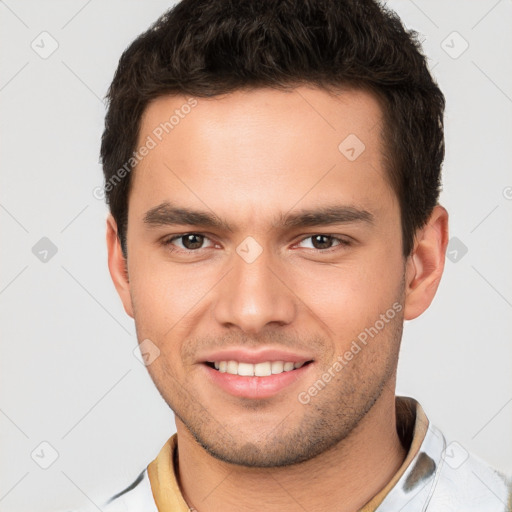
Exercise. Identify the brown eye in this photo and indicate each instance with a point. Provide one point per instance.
(187, 242)
(321, 241)
(192, 241)
(324, 243)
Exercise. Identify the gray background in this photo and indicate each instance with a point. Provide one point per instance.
(68, 373)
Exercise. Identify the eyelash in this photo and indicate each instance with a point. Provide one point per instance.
(168, 243)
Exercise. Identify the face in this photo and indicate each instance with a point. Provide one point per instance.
(262, 236)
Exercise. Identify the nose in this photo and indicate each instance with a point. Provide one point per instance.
(254, 294)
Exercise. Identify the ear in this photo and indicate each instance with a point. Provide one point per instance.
(425, 264)
(117, 265)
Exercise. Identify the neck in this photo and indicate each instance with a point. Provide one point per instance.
(341, 479)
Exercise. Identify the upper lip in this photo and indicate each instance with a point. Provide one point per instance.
(245, 355)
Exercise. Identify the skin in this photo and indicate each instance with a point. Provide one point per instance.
(248, 157)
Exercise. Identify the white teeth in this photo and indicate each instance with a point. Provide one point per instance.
(259, 369)
(262, 369)
(232, 367)
(277, 366)
(245, 369)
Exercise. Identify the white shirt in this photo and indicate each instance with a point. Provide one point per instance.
(438, 478)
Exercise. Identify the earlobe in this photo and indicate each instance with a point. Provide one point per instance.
(425, 265)
(117, 265)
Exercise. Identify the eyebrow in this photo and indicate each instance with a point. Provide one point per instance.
(167, 214)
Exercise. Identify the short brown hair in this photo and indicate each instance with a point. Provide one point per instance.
(206, 48)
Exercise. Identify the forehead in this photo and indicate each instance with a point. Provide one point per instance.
(300, 114)
(257, 148)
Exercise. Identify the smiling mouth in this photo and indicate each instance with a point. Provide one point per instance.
(263, 369)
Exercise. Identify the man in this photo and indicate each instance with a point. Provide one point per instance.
(273, 172)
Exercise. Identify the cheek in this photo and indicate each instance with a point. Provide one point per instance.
(345, 289)
(161, 304)
(163, 292)
(351, 295)
(152, 293)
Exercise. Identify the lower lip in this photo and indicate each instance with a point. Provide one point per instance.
(255, 387)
